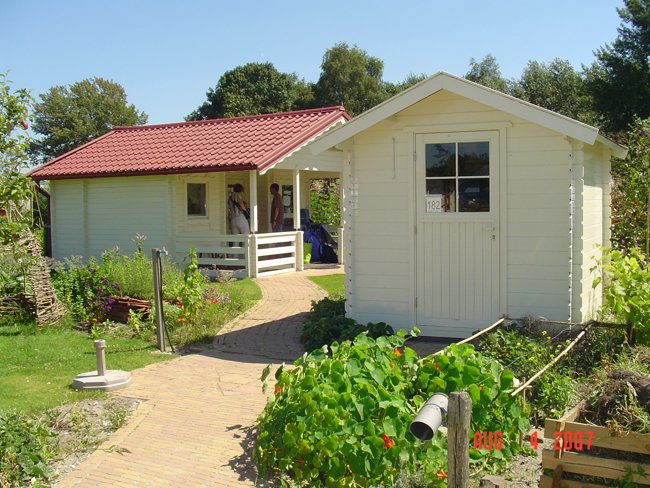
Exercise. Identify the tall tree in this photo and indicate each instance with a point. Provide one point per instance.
(631, 178)
(350, 77)
(251, 89)
(410, 80)
(487, 73)
(69, 116)
(620, 78)
(556, 86)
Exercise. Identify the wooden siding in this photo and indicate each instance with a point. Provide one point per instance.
(534, 197)
(68, 218)
(119, 208)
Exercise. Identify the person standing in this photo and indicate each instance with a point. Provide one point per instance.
(237, 207)
(277, 209)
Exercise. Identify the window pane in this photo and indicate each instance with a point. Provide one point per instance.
(474, 158)
(196, 199)
(474, 195)
(441, 159)
(441, 196)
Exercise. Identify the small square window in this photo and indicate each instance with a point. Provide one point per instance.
(196, 200)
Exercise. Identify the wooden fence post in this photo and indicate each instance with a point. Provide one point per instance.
(459, 414)
(158, 300)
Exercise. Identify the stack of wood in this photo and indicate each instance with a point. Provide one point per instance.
(39, 298)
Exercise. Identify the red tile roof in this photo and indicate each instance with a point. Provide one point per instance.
(253, 142)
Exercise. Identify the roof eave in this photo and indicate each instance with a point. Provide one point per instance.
(465, 88)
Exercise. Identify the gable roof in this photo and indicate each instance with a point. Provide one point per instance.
(473, 91)
(252, 142)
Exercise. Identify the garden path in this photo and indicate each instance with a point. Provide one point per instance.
(195, 425)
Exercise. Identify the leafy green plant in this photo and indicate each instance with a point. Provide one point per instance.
(84, 290)
(626, 290)
(189, 292)
(24, 450)
(551, 393)
(327, 323)
(341, 416)
(324, 201)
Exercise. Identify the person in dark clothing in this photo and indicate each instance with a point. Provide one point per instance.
(277, 209)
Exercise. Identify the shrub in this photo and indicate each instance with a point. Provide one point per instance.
(327, 323)
(84, 290)
(626, 291)
(24, 450)
(343, 420)
(551, 393)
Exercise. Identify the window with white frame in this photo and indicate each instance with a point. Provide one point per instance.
(197, 203)
(457, 177)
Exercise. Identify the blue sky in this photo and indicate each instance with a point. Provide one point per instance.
(168, 53)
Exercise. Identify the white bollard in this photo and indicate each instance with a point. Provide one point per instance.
(100, 345)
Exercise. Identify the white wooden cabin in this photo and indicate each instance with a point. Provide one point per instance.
(171, 183)
(463, 204)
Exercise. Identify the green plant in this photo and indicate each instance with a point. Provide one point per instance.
(189, 292)
(626, 481)
(324, 201)
(24, 450)
(626, 290)
(526, 355)
(341, 416)
(327, 323)
(84, 290)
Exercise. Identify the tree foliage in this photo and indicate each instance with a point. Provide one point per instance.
(556, 86)
(15, 188)
(487, 73)
(631, 180)
(350, 77)
(620, 78)
(251, 89)
(69, 116)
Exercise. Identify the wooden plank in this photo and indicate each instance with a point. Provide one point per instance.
(547, 482)
(222, 262)
(602, 437)
(591, 466)
(276, 271)
(276, 262)
(220, 250)
(276, 250)
(275, 240)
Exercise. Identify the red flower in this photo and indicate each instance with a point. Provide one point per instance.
(397, 352)
(182, 319)
(299, 461)
(25, 125)
(388, 442)
(277, 389)
(441, 474)
(437, 366)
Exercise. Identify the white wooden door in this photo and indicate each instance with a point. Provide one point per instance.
(457, 257)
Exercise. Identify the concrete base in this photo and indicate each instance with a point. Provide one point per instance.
(112, 380)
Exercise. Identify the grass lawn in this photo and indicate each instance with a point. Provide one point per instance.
(38, 364)
(333, 284)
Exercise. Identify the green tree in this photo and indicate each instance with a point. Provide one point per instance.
(251, 89)
(69, 116)
(487, 73)
(15, 188)
(558, 87)
(619, 80)
(410, 80)
(350, 77)
(631, 180)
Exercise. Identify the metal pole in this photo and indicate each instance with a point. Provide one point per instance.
(100, 345)
(157, 291)
(459, 414)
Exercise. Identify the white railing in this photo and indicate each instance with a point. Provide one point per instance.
(258, 254)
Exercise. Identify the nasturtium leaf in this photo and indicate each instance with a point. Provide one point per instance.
(474, 393)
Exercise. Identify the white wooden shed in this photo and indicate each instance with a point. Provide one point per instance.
(463, 204)
(171, 183)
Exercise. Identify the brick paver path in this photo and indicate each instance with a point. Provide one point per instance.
(195, 425)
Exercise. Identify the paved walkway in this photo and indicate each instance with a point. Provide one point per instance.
(195, 426)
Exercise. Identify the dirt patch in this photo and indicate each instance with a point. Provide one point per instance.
(81, 427)
(624, 395)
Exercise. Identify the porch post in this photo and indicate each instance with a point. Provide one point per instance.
(296, 199)
(252, 184)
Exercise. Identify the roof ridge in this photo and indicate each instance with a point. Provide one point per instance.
(334, 108)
